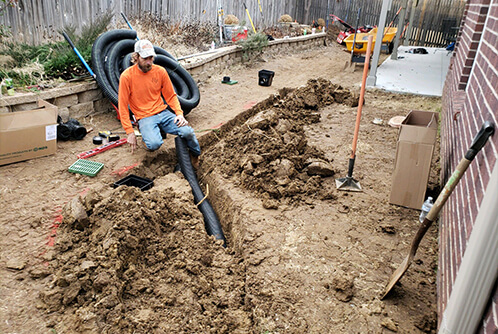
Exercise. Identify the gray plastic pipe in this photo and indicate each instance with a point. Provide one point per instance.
(478, 270)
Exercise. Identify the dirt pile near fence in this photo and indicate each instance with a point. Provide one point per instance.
(269, 153)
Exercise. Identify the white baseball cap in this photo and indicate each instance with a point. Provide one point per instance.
(144, 48)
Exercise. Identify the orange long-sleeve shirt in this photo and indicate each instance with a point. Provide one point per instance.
(142, 93)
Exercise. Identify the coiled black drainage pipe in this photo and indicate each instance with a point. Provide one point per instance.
(211, 221)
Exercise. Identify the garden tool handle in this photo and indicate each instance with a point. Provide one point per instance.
(481, 138)
(126, 20)
(361, 99)
(487, 129)
(78, 54)
(68, 40)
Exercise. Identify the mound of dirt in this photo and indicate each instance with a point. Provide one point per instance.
(142, 262)
(270, 154)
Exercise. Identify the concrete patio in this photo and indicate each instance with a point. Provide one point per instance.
(415, 73)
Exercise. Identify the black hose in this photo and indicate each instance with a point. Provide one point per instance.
(194, 95)
(160, 51)
(119, 49)
(126, 62)
(98, 61)
(113, 68)
(111, 56)
(180, 86)
(211, 221)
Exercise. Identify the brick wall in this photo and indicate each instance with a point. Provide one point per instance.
(470, 97)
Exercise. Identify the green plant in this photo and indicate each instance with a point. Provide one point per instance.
(54, 59)
(253, 45)
(24, 77)
(23, 53)
(63, 62)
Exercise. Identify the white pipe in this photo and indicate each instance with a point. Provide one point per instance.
(478, 270)
(198, 54)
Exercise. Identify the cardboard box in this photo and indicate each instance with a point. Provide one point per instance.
(415, 147)
(28, 134)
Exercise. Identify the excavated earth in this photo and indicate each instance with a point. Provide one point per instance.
(301, 256)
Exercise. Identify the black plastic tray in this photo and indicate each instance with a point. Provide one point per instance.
(135, 181)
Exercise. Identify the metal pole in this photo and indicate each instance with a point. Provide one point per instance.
(219, 12)
(372, 77)
(328, 12)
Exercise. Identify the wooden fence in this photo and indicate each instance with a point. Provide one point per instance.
(36, 21)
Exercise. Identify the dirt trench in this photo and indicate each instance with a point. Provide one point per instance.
(302, 257)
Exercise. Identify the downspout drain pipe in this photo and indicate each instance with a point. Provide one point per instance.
(477, 273)
(211, 221)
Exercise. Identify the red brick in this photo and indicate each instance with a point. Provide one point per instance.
(474, 45)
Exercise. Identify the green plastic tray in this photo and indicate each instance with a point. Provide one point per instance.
(86, 167)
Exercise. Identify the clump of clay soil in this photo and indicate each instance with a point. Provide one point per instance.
(137, 261)
(269, 153)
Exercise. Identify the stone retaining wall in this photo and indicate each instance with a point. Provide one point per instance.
(78, 100)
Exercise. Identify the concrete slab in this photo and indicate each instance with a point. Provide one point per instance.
(422, 74)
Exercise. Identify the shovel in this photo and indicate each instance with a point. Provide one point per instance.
(348, 183)
(480, 140)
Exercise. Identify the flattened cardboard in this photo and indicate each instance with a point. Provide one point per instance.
(28, 134)
(414, 150)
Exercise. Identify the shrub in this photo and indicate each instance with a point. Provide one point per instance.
(253, 45)
(53, 59)
(231, 19)
(64, 63)
(285, 18)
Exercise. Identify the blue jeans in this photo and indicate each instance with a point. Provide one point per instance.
(165, 120)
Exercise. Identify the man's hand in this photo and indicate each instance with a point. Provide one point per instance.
(180, 121)
(132, 140)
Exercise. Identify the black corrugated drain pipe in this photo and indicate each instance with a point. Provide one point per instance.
(211, 221)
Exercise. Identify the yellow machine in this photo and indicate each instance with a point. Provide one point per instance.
(360, 43)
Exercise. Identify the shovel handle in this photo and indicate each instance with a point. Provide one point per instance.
(68, 40)
(479, 141)
(78, 54)
(487, 129)
(126, 20)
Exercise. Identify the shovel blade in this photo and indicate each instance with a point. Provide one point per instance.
(348, 184)
(396, 276)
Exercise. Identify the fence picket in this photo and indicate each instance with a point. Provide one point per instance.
(36, 21)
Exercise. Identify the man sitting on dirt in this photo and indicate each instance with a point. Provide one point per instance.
(140, 89)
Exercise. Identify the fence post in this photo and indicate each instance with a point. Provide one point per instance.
(414, 4)
(401, 25)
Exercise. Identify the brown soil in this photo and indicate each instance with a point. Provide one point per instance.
(78, 256)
